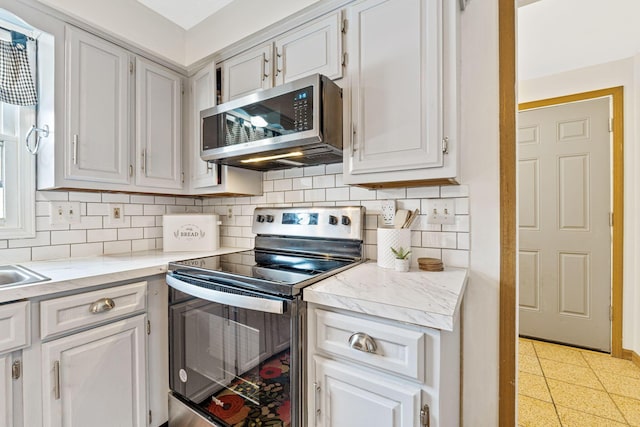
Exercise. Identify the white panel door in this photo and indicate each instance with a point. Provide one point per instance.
(203, 95)
(396, 92)
(314, 48)
(247, 72)
(348, 397)
(564, 198)
(96, 378)
(98, 109)
(158, 131)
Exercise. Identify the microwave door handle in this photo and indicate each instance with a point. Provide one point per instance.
(240, 301)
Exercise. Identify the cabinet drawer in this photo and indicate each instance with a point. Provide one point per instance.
(397, 349)
(14, 326)
(64, 314)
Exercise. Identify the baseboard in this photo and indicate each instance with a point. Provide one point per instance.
(631, 355)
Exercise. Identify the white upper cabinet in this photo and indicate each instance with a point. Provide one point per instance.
(206, 177)
(313, 48)
(158, 126)
(203, 95)
(248, 72)
(98, 112)
(402, 103)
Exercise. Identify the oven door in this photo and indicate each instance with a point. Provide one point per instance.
(231, 355)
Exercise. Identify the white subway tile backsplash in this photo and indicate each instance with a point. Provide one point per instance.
(314, 170)
(44, 253)
(294, 196)
(67, 237)
(115, 198)
(133, 209)
(280, 185)
(293, 173)
(304, 183)
(42, 238)
(142, 199)
(117, 247)
(309, 186)
(153, 209)
(102, 235)
(143, 245)
(324, 181)
(86, 249)
(272, 175)
(334, 168)
(454, 191)
(81, 196)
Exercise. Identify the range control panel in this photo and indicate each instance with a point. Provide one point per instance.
(327, 222)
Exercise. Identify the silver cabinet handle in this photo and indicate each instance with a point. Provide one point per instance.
(362, 342)
(353, 139)
(143, 165)
(316, 392)
(56, 380)
(104, 304)
(75, 149)
(278, 61)
(264, 66)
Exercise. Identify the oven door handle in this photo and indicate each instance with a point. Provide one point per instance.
(235, 300)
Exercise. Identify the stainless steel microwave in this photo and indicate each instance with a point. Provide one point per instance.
(295, 124)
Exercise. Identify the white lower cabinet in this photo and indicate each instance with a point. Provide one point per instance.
(97, 377)
(374, 372)
(348, 396)
(6, 391)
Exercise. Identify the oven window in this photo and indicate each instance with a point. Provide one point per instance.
(232, 363)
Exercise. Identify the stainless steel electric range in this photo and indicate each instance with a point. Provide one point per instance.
(237, 321)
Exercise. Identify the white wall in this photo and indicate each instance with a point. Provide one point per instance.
(557, 36)
(480, 171)
(130, 21)
(625, 73)
(234, 22)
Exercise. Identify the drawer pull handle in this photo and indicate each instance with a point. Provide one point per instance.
(362, 342)
(104, 304)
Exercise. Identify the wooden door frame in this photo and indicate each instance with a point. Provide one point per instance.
(507, 148)
(617, 97)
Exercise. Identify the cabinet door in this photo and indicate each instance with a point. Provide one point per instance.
(6, 391)
(347, 396)
(97, 377)
(247, 72)
(158, 132)
(315, 48)
(203, 95)
(396, 95)
(97, 81)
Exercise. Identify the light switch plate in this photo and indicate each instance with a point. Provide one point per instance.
(441, 211)
(64, 213)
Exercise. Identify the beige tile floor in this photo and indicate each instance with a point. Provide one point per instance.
(561, 386)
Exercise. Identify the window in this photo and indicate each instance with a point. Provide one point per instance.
(17, 173)
(17, 164)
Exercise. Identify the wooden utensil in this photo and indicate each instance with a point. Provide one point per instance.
(400, 218)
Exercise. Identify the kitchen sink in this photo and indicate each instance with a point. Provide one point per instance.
(14, 275)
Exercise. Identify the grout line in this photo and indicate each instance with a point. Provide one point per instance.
(553, 401)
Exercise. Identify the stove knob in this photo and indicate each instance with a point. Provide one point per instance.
(333, 220)
(346, 220)
(269, 218)
(260, 218)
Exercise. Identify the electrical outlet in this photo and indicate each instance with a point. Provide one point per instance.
(230, 213)
(64, 213)
(441, 211)
(116, 215)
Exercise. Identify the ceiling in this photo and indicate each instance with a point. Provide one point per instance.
(186, 13)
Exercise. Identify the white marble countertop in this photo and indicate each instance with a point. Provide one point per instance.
(419, 297)
(77, 273)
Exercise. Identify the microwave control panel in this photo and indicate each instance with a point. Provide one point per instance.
(303, 109)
